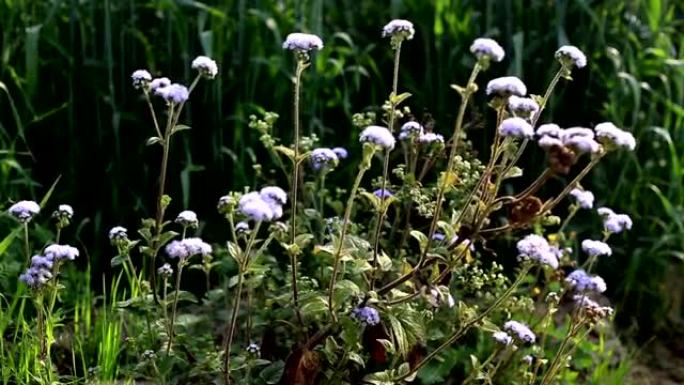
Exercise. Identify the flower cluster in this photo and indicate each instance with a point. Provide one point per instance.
(569, 55)
(502, 338)
(537, 248)
(429, 138)
(383, 193)
(165, 270)
(580, 281)
(584, 198)
(516, 128)
(323, 159)
(205, 66)
(591, 308)
(41, 270)
(63, 214)
(596, 248)
(612, 136)
(579, 139)
(24, 210)
(366, 315)
(524, 107)
(303, 42)
(61, 252)
(187, 247)
(187, 218)
(399, 29)
(506, 86)
(173, 93)
(266, 205)
(141, 78)
(613, 222)
(487, 50)
(380, 136)
(410, 131)
(519, 331)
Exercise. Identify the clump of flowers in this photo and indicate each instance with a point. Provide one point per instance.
(399, 30)
(536, 248)
(506, 86)
(580, 281)
(380, 136)
(187, 218)
(410, 131)
(24, 210)
(516, 128)
(614, 223)
(487, 50)
(519, 331)
(205, 66)
(569, 56)
(187, 247)
(302, 42)
(323, 159)
(584, 198)
(366, 315)
(596, 248)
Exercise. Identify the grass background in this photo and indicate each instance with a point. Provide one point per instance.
(67, 108)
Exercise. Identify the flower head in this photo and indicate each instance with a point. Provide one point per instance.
(206, 66)
(61, 252)
(549, 129)
(340, 152)
(596, 248)
(165, 270)
(24, 210)
(537, 248)
(584, 198)
(174, 93)
(118, 234)
(487, 49)
(580, 281)
(187, 248)
(366, 315)
(159, 83)
(39, 273)
(383, 193)
(255, 208)
(226, 204)
(141, 78)
(569, 55)
(187, 218)
(506, 86)
(502, 338)
(303, 42)
(63, 212)
(273, 194)
(430, 138)
(323, 158)
(410, 130)
(610, 135)
(241, 227)
(516, 127)
(525, 107)
(520, 331)
(399, 29)
(613, 222)
(253, 349)
(379, 136)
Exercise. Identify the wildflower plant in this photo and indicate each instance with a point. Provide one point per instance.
(373, 281)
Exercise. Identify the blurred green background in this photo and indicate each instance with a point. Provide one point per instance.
(67, 107)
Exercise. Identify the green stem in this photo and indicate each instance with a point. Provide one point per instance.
(550, 205)
(380, 218)
(27, 248)
(365, 165)
(236, 305)
(571, 214)
(475, 371)
(295, 185)
(175, 304)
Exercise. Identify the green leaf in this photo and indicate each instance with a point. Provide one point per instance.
(179, 127)
(272, 373)
(355, 357)
(153, 140)
(384, 262)
(421, 238)
(400, 338)
(398, 99)
(303, 240)
(288, 152)
(184, 296)
(315, 306)
(118, 260)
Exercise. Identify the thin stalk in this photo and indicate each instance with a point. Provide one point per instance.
(571, 214)
(58, 235)
(175, 304)
(534, 187)
(27, 248)
(475, 371)
(380, 218)
(550, 205)
(154, 115)
(301, 65)
(462, 330)
(228, 344)
(365, 165)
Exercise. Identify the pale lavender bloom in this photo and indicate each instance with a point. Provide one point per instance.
(206, 66)
(617, 223)
(437, 236)
(253, 349)
(608, 133)
(61, 252)
(537, 248)
(583, 144)
(42, 262)
(550, 129)
(506, 86)
(241, 227)
(187, 218)
(584, 198)
(225, 204)
(520, 331)
(165, 270)
(502, 338)
(410, 130)
(39, 273)
(257, 210)
(117, 234)
(24, 210)
(379, 136)
(187, 248)
(516, 127)
(580, 281)
(605, 212)
(571, 55)
(383, 193)
(578, 131)
(303, 42)
(159, 83)
(323, 158)
(273, 194)
(528, 359)
(526, 107)
(592, 306)
(547, 142)
(596, 248)
(63, 211)
(399, 28)
(431, 137)
(174, 93)
(340, 152)
(141, 78)
(488, 49)
(366, 315)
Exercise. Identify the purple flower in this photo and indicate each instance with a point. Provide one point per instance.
(410, 130)
(437, 236)
(187, 218)
(399, 28)
(506, 86)
(596, 248)
(187, 248)
(39, 273)
(550, 129)
(303, 42)
(141, 78)
(206, 66)
(502, 338)
(273, 194)
(174, 93)
(431, 137)
(379, 136)
(61, 252)
(24, 210)
(253, 349)
(520, 331)
(159, 83)
(537, 248)
(165, 270)
(580, 281)
(118, 234)
(569, 56)
(525, 107)
(63, 212)
(366, 315)
(611, 135)
(584, 198)
(383, 193)
(340, 152)
(615, 223)
(516, 127)
(323, 158)
(487, 49)
(241, 227)
(254, 207)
